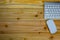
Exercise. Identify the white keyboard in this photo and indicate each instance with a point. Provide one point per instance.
(51, 10)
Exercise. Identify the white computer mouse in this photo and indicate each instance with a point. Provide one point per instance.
(52, 27)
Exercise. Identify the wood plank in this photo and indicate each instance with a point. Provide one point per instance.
(26, 2)
(27, 36)
(2, 1)
(23, 14)
(30, 36)
(25, 23)
(20, 6)
(21, 2)
(51, 0)
(21, 9)
(26, 26)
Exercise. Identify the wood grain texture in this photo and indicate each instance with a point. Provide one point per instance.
(30, 36)
(51, 0)
(25, 22)
(26, 1)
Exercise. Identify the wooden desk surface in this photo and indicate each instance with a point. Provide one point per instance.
(25, 22)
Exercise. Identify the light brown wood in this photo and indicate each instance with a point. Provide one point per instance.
(51, 0)
(25, 22)
(30, 36)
